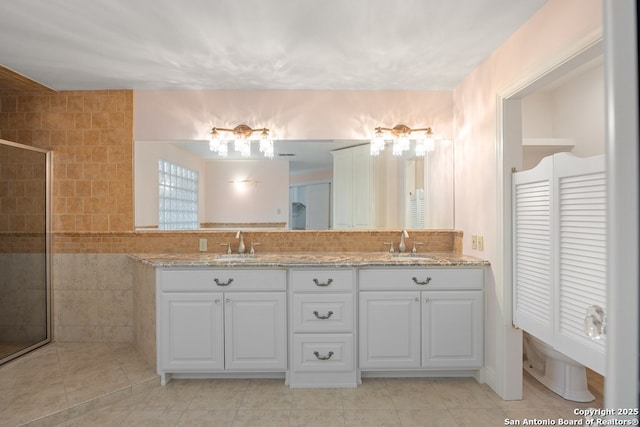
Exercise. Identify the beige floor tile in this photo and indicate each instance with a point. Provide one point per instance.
(426, 418)
(316, 418)
(371, 417)
(206, 419)
(317, 398)
(93, 384)
(268, 385)
(274, 418)
(217, 400)
(266, 401)
(98, 418)
(427, 398)
(466, 417)
(464, 393)
(151, 419)
(378, 399)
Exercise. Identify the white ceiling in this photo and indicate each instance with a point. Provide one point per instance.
(254, 44)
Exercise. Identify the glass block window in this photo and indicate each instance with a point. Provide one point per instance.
(178, 188)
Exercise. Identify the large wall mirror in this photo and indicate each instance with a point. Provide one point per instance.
(308, 185)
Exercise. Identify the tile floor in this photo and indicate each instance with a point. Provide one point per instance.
(109, 385)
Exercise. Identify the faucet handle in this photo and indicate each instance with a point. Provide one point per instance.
(414, 250)
(252, 250)
(391, 250)
(228, 245)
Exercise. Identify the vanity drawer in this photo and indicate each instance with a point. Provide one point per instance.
(325, 352)
(323, 279)
(223, 279)
(421, 279)
(323, 312)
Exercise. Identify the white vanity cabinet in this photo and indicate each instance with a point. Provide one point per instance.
(221, 320)
(323, 327)
(420, 319)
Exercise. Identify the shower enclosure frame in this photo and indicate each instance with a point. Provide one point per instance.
(48, 248)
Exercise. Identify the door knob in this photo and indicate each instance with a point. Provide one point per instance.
(595, 322)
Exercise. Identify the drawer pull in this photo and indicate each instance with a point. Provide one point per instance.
(425, 282)
(327, 283)
(219, 283)
(327, 357)
(329, 313)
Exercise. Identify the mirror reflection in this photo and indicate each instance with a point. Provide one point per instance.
(309, 185)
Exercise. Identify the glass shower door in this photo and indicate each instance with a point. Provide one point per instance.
(24, 249)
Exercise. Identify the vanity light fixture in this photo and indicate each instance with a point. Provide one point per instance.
(241, 142)
(400, 137)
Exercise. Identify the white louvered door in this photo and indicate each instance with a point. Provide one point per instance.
(533, 254)
(559, 269)
(581, 246)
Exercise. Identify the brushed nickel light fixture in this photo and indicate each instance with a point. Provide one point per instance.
(400, 136)
(241, 141)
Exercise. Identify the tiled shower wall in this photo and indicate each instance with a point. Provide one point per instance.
(91, 136)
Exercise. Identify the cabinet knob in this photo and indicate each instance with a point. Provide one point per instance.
(426, 300)
(417, 299)
(329, 313)
(418, 282)
(217, 301)
(327, 357)
(219, 283)
(227, 300)
(318, 283)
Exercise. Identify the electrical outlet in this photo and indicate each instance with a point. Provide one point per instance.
(474, 242)
(203, 245)
(481, 243)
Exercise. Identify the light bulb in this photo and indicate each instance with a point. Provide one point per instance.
(377, 143)
(223, 149)
(214, 142)
(266, 147)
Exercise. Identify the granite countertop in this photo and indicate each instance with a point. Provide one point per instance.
(311, 259)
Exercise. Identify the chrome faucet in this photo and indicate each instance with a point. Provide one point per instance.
(241, 247)
(402, 247)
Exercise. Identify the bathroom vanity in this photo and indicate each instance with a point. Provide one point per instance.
(317, 319)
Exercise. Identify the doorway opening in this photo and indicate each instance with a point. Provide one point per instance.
(561, 110)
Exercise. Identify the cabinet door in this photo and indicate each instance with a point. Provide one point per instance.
(255, 331)
(389, 330)
(452, 329)
(191, 332)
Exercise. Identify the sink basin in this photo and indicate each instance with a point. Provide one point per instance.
(234, 257)
(417, 255)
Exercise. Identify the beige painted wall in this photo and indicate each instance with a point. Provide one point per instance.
(190, 115)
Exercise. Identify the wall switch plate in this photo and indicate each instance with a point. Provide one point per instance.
(481, 243)
(474, 242)
(203, 245)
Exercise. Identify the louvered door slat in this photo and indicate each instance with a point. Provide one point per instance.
(581, 266)
(533, 273)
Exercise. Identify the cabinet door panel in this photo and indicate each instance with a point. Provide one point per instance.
(389, 330)
(452, 329)
(255, 331)
(191, 333)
